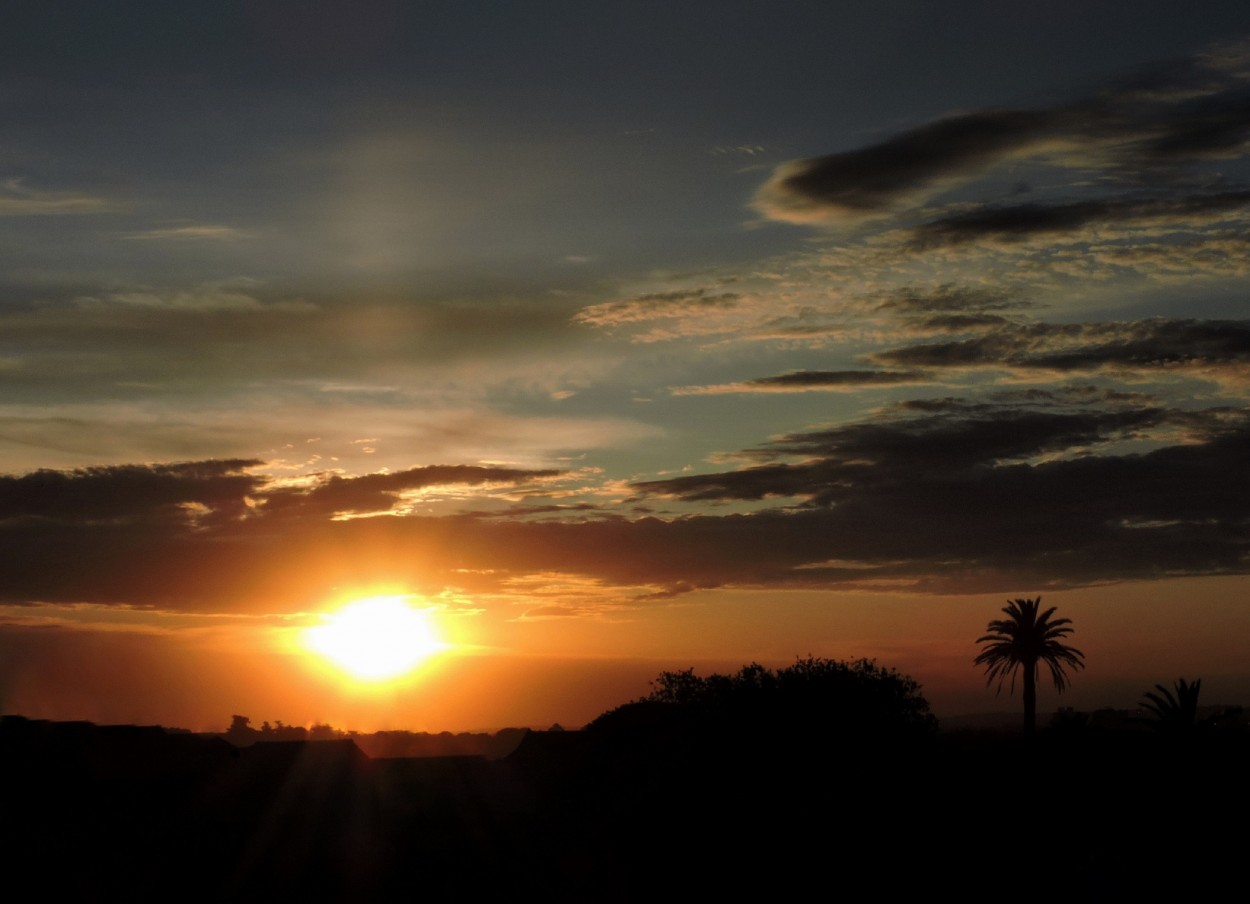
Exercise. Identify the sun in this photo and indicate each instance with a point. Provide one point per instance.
(375, 639)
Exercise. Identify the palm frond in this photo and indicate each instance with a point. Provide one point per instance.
(1161, 706)
(1174, 711)
(1024, 639)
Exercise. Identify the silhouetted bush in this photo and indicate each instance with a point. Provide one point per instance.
(812, 697)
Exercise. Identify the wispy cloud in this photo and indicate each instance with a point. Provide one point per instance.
(811, 381)
(1161, 126)
(1140, 347)
(334, 494)
(213, 233)
(655, 306)
(219, 296)
(17, 199)
(874, 181)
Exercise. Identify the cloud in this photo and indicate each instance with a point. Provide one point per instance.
(247, 346)
(207, 534)
(217, 296)
(949, 298)
(871, 181)
(18, 200)
(274, 423)
(1144, 345)
(335, 494)
(1025, 220)
(961, 323)
(750, 150)
(811, 381)
(1028, 488)
(127, 494)
(126, 491)
(846, 461)
(1153, 128)
(654, 306)
(216, 233)
(981, 495)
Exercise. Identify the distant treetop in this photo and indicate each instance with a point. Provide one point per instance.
(812, 694)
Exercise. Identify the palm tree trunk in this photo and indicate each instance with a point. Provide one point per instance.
(1030, 697)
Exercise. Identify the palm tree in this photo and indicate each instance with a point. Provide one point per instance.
(1023, 639)
(1175, 713)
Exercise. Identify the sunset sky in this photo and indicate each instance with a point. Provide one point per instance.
(616, 338)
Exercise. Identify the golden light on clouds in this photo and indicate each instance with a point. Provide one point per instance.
(376, 639)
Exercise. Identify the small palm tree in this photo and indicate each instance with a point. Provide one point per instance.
(1024, 639)
(1175, 713)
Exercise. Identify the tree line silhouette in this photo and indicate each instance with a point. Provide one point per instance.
(817, 693)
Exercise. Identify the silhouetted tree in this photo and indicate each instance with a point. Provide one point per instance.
(1069, 721)
(241, 733)
(1177, 712)
(812, 694)
(1022, 640)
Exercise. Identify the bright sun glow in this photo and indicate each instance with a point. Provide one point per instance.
(375, 639)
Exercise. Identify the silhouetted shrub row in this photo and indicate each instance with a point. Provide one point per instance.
(813, 696)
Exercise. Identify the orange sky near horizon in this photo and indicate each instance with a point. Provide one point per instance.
(1134, 635)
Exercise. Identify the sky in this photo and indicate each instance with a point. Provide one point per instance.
(616, 338)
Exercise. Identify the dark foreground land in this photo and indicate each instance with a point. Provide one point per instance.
(626, 813)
